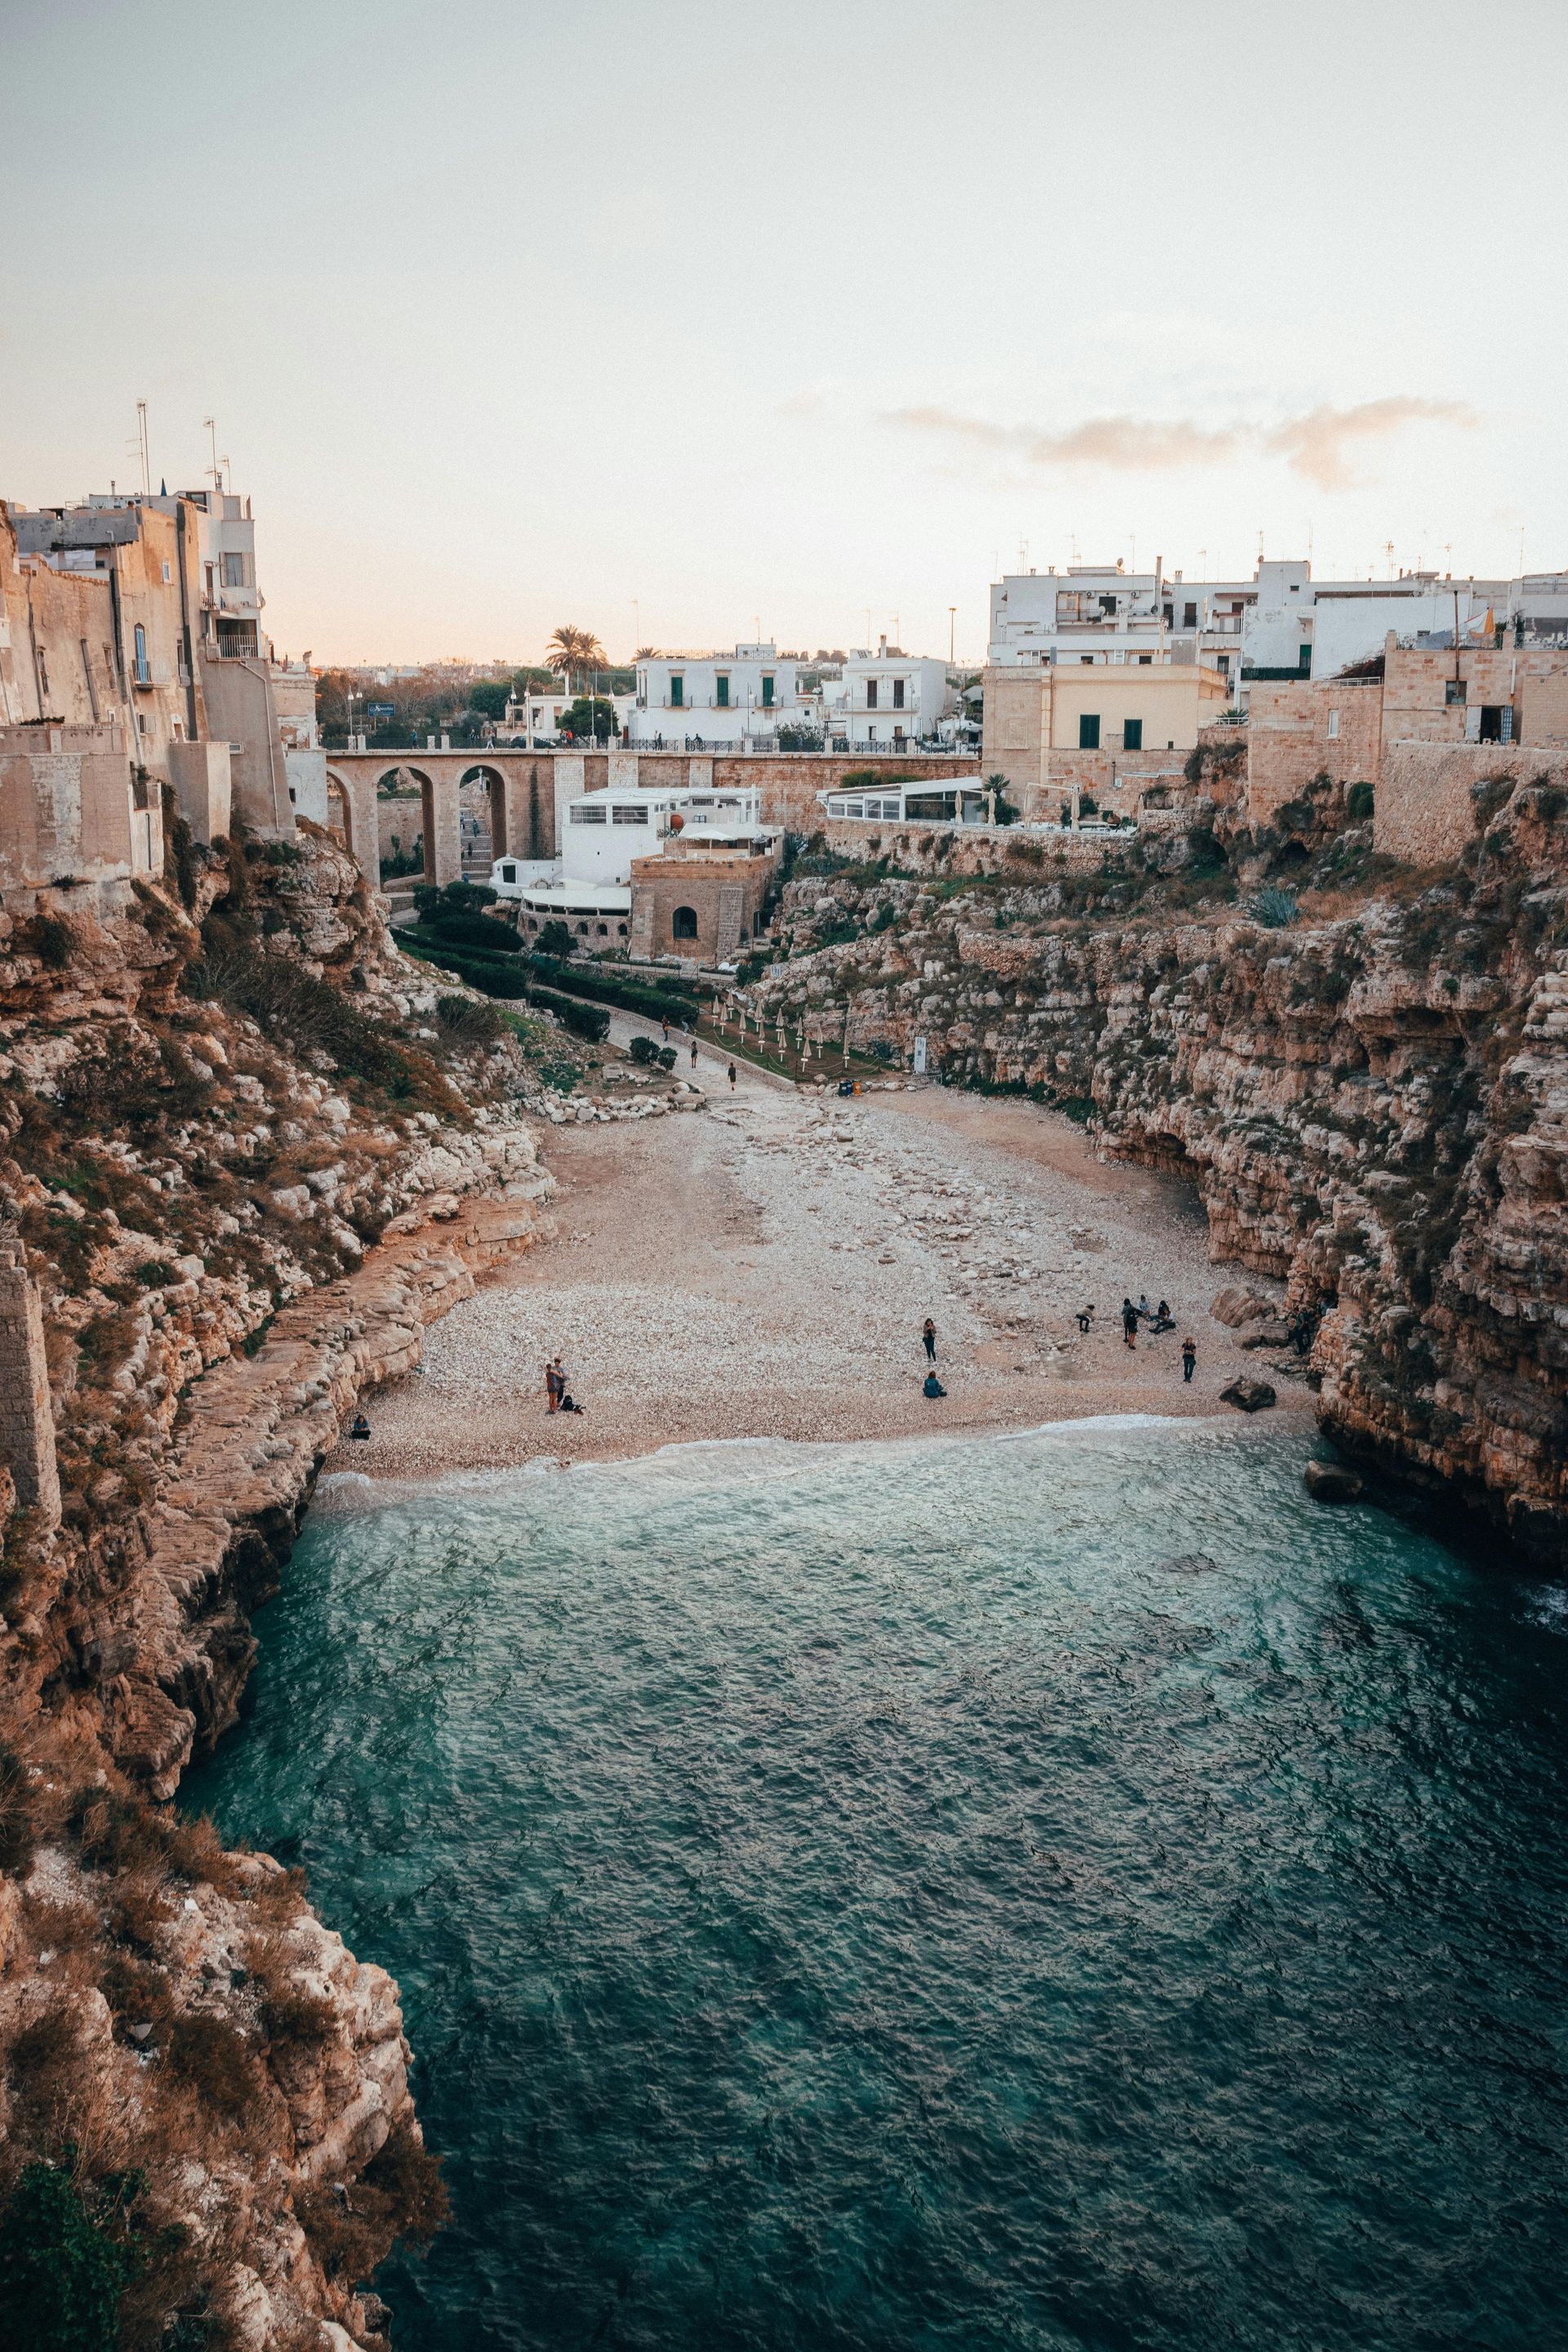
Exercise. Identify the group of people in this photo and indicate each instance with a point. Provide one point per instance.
(1158, 1318)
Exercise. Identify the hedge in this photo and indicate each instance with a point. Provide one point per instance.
(472, 932)
(654, 1004)
(496, 977)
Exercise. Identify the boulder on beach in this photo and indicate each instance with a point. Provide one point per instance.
(1332, 1482)
(1247, 1395)
(1237, 1305)
(1273, 1334)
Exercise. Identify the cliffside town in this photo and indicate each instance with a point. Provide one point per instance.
(1361, 1064)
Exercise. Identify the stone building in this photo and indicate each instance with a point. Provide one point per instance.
(699, 900)
(1057, 727)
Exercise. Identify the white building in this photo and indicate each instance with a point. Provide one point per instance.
(886, 699)
(692, 701)
(588, 887)
(1281, 622)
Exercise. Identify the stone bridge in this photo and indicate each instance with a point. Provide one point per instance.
(526, 789)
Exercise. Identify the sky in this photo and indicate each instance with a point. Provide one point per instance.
(683, 321)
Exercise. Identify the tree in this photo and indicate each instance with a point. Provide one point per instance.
(490, 696)
(573, 649)
(589, 716)
(554, 939)
(646, 652)
(67, 2258)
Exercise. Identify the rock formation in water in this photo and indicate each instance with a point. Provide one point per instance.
(1363, 1068)
(246, 1152)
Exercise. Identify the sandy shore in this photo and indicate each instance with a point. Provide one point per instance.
(763, 1268)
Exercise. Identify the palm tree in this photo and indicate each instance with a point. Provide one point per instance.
(575, 649)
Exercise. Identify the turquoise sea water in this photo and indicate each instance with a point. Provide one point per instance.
(885, 1897)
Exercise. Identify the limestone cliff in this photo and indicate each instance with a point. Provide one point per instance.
(246, 1152)
(1363, 1068)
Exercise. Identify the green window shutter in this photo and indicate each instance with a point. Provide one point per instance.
(767, 692)
(1089, 730)
(722, 697)
(677, 693)
(1132, 735)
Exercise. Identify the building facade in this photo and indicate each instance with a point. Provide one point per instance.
(1051, 729)
(715, 698)
(887, 698)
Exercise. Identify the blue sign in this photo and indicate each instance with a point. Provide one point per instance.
(381, 710)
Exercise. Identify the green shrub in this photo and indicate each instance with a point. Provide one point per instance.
(555, 938)
(469, 1024)
(665, 1057)
(643, 1049)
(51, 939)
(581, 1020)
(472, 932)
(1359, 802)
(1274, 909)
(65, 2258)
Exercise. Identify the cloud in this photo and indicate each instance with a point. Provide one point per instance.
(1314, 445)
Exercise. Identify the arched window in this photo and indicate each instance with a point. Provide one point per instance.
(684, 925)
(143, 675)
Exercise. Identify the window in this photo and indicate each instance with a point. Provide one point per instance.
(1496, 722)
(86, 673)
(1132, 735)
(870, 694)
(1453, 690)
(897, 693)
(509, 874)
(233, 572)
(43, 676)
(1304, 658)
(168, 575)
(676, 692)
(625, 815)
(1334, 725)
(143, 675)
(1089, 730)
(581, 815)
(683, 924)
(1189, 615)
(1145, 661)
(722, 690)
(767, 690)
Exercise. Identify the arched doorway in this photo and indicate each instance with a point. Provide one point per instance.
(486, 787)
(683, 923)
(340, 811)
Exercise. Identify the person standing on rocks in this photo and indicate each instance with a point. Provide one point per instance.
(1129, 1324)
(731, 1077)
(1189, 1357)
(928, 1334)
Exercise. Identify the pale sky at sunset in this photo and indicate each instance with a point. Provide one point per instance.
(676, 319)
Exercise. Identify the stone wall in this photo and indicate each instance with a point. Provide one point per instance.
(1297, 731)
(725, 894)
(1425, 809)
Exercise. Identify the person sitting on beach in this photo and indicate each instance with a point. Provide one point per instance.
(569, 1403)
(1129, 1324)
(361, 1427)
(928, 1334)
(1145, 1310)
(1085, 1317)
(1163, 1319)
(934, 1387)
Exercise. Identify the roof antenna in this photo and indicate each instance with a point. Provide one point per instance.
(142, 442)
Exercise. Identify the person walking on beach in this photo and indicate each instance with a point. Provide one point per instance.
(694, 1053)
(1129, 1323)
(664, 1025)
(731, 1077)
(1189, 1357)
(928, 1334)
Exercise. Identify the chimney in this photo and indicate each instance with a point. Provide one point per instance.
(881, 648)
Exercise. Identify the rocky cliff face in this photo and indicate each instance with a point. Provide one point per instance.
(250, 1152)
(1369, 1085)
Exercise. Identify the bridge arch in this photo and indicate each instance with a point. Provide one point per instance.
(485, 773)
